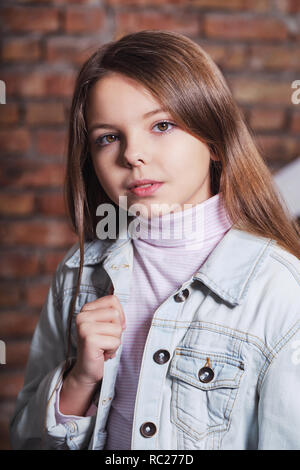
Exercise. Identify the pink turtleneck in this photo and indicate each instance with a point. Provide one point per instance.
(168, 251)
(162, 262)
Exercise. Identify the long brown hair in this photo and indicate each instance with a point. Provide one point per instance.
(187, 82)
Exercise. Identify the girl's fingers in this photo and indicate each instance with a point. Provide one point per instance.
(99, 328)
(103, 302)
(108, 344)
(111, 314)
(109, 301)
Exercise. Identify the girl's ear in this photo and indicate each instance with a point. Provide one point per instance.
(214, 157)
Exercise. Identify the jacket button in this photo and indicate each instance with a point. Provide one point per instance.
(161, 356)
(148, 429)
(206, 374)
(182, 295)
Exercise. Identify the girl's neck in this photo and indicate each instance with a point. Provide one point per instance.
(190, 227)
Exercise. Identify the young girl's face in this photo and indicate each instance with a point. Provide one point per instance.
(128, 142)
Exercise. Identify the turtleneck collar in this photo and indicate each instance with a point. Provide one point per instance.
(187, 228)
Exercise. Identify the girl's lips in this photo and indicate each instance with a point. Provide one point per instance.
(146, 191)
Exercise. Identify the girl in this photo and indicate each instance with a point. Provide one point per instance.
(151, 340)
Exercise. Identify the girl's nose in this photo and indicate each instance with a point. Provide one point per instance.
(135, 154)
(134, 161)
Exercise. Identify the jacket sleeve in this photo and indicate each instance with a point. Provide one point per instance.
(279, 404)
(34, 425)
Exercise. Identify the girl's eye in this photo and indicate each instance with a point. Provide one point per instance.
(108, 137)
(111, 138)
(164, 126)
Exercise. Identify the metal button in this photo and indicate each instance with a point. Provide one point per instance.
(206, 374)
(148, 429)
(161, 356)
(182, 295)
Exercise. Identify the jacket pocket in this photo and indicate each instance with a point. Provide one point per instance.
(204, 389)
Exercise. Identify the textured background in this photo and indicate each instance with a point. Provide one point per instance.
(256, 43)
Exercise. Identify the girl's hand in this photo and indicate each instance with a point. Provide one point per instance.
(99, 328)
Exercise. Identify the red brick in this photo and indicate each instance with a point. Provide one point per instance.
(10, 296)
(25, 84)
(21, 49)
(42, 233)
(30, 19)
(244, 27)
(39, 84)
(36, 294)
(126, 22)
(231, 5)
(295, 125)
(18, 265)
(4, 436)
(61, 84)
(51, 143)
(252, 5)
(9, 114)
(231, 56)
(70, 49)
(218, 52)
(69, 2)
(7, 408)
(15, 140)
(16, 204)
(17, 353)
(45, 113)
(279, 148)
(51, 260)
(51, 204)
(147, 3)
(236, 57)
(10, 384)
(260, 91)
(17, 324)
(274, 57)
(84, 20)
(29, 174)
(288, 6)
(266, 119)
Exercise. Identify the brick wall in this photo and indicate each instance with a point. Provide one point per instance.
(256, 43)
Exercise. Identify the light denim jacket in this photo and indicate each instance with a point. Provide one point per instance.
(242, 312)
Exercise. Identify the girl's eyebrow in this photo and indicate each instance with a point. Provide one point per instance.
(107, 126)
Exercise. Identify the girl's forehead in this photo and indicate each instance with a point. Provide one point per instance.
(115, 94)
(116, 85)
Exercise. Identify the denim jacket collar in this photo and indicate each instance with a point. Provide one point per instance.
(96, 250)
(228, 270)
(233, 264)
